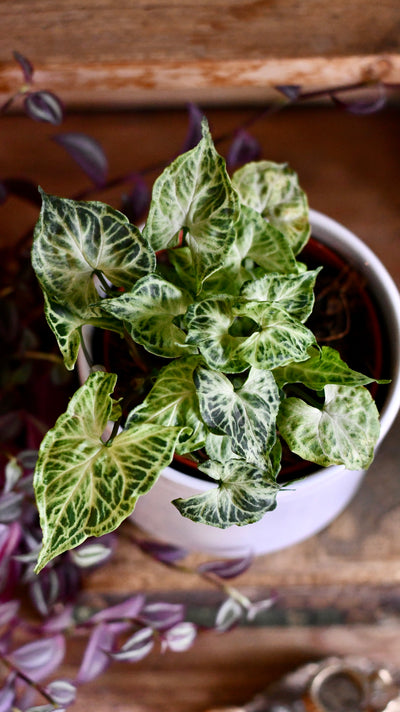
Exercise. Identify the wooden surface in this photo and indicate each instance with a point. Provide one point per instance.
(337, 592)
(171, 51)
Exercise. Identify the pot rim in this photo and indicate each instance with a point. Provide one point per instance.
(337, 236)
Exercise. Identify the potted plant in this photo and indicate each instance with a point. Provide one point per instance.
(213, 299)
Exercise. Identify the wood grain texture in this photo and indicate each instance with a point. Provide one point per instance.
(146, 52)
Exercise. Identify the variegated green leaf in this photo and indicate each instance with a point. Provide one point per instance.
(173, 402)
(294, 293)
(75, 240)
(148, 312)
(344, 432)
(323, 367)
(85, 487)
(272, 189)
(234, 334)
(219, 448)
(243, 495)
(247, 414)
(264, 243)
(195, 193)
(66, 326)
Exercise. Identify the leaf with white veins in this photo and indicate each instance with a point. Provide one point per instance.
(148, 312)
(195, 193)
(294, 293)
(345, 431)
(74, 240)
(85, 487)
(273, 190)
(243, 495)
(247, 415)
(173, 402)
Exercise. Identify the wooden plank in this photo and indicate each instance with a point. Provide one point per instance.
(225, 669)
(142, 52)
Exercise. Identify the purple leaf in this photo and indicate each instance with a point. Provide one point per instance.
(96, 658)
(7, 696)
(194, 132)
(26, 66)
(28, 459)
(90, 555)
(44, 590)
(87, 153)
(243, 149)
(290, 91)
(362, 102)
(44, 106)
(179, 638)
(136, 647)
(39, 658)
(8, 611)
(163, 552)
(259, 606)
(9, 539)
(62, 692)
(127, 609)
(226, 569)
(229, 613)
(59, 622)
(136, 203)
(12, 472)
(10, 507)
(162, 615)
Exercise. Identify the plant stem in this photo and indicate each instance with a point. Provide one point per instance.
(85, 349)
(13, 668)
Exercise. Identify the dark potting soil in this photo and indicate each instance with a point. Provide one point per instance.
(345, 317)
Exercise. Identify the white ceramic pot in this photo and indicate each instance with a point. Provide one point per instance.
(310, 504)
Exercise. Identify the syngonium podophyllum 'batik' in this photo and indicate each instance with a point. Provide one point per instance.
(212, 291)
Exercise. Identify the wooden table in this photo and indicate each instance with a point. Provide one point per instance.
(339, 591)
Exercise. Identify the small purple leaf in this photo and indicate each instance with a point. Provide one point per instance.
(90, 555)
(259, 606)
(87, 153)
(136, 647)
(44, 590)
(39, 658)
(194, 132)
(135, 204)
(362, 102)
(59, 622)
(44, 106)
(8, 611)
(243, 149)
(127, 609)
(96, 658)
(163, 552)
(25, 64)
(162, 615)
(179, 638)
(7, 696)
(290, 91)
(13, 472)
(44, 708)
(9, 539)
(226, 569)
(10, 507)
(28, 459)
(62, 692)
(229, 613)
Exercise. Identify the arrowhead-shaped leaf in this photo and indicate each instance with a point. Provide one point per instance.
(85, 487)
(148, 312)
(264, 243)
(173, 402)
(195, 193)
(294, 293)
(243, 495)
(344, 432)
(275, 337)
(247, 415)
(324, 367)
(75, 240)
(273, 190)
(66, 326)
